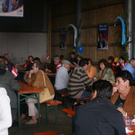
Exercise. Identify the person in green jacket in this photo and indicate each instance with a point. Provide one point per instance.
(8, 81)
(105, 72)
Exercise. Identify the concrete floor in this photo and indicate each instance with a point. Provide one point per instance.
(63, 126)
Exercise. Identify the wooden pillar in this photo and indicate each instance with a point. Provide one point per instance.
(49, 32)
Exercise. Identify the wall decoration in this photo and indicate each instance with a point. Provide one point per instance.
(63, 39)
(103, 36)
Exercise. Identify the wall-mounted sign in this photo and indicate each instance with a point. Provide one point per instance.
(63, 39)
(103, 36)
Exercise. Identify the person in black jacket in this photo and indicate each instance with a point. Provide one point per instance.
(99, 117)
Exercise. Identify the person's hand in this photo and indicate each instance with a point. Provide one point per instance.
(4, 6)
(31, 71)
(121, 110)
(114, 90)
(113, 64)
(49, 71)
(14, 3)
(75, 63)
(27, 72)
(46, 70)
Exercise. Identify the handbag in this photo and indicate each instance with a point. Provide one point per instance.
(44, 95)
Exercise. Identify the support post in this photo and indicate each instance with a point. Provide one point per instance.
(49, 32)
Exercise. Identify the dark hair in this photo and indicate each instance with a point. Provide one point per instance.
(103, 61)
(5, 54)
(61, 57)
(30, 56)
(2, 57)
(83, 62)
(73, 53)
(89, 60)
(111, 58)
(2, 65)
(36, 59)
(131, 60)
(104, 88)
(126, 75)
(123, 58)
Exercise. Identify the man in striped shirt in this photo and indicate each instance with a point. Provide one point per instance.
(79, 80)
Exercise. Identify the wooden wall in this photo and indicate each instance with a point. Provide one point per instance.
(65, 13)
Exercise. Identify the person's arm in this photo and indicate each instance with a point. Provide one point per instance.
(5, 113)
(14, 85)
(119, 124)
(79, 123)
(97, 75)
(86, 80)
(37, 80)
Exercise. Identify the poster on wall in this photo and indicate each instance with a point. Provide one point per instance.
(103, 36)
(63, 39)
(11, 8)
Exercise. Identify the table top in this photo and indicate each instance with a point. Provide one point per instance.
(51, 74)
(21, 68)
(28, 89)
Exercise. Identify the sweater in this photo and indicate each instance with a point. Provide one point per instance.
(129, 104)
(78, 80)
(61, 79)
(36, 80)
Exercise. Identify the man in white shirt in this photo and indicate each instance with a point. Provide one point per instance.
(61, 80)
(62, 77)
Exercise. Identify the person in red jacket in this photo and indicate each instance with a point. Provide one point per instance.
(30, 59)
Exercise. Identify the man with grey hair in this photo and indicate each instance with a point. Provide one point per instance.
(130, 67)
(61, 80)
(54, 66)
(62, 77)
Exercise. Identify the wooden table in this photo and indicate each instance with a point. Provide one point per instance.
(51, 74)
(32, 91)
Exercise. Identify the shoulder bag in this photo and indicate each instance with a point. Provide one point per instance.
(44, 95)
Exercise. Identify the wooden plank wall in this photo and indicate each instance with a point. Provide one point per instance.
(65, 13)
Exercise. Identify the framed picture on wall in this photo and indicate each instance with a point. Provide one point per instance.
(63, 39)
(103, 36)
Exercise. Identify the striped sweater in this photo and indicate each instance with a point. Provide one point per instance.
(78, 80)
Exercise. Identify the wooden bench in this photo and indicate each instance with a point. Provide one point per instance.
(63, 96)
(46, 133)
(52, 104)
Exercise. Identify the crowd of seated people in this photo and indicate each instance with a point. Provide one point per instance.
(83, 81)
